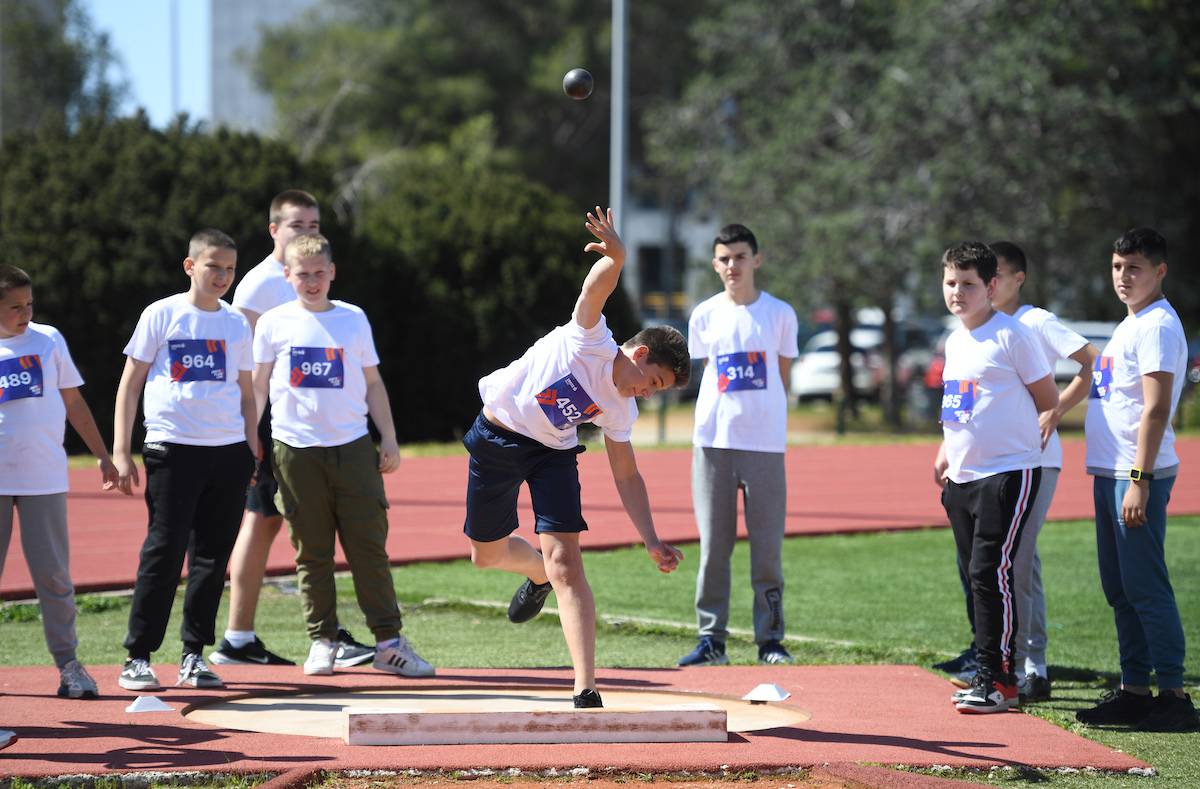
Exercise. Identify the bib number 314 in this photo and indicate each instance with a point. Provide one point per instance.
(742, 371)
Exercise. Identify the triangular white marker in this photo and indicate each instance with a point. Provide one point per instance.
(766, 692)
(149, 704)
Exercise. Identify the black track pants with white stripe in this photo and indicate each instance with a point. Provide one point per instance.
(988, 516)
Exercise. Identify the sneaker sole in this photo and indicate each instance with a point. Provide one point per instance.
(970, 709)
(131, 685)
(721, 661)
(386, 669)
(202, 684)
(64, 693)
(318, 671)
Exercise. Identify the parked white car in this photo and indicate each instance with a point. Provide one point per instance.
(816, 374)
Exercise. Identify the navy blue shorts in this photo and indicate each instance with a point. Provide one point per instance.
(500, 461)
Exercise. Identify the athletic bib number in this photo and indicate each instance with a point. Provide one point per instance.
(958, 401)
(742, 371)
(1102, 378)
(20, 378)
(566, 404)
(318, 368)
(197, 360)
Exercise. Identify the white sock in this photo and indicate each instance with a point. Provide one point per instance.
(391, 642)
(239, 638)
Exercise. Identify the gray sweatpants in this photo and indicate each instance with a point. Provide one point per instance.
(44, 541)
(1030, 645)
(717, 476)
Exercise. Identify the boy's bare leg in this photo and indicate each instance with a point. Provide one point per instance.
(248, 566)
(512, 554)
(576, 606)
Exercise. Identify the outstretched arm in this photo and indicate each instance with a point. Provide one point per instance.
(632, 490)
(602, 280)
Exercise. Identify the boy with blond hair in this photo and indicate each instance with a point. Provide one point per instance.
(526, 433)
(315, 361)
(39, 393)
(191, 354)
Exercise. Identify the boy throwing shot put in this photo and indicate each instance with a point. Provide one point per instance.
(1131, 456)
(747, 338)
(526, 433)
(996, 381)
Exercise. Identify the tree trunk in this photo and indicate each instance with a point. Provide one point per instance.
(847, 406)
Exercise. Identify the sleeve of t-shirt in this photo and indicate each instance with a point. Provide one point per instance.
(620, 428)
(593, 341)
(370, 358)
(264, 347)
(1028, 360)
(244, 346)
(68, 373)
(252, 294)
(1064, 341)
(697, 347)
(1157, 349)
(147, 337)
(790, 327)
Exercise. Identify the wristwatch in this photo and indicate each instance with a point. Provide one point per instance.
(1137, 475)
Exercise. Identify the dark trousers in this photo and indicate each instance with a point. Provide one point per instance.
(987, 516)
(194, 496)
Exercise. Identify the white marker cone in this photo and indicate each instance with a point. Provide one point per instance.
(766, 692)
(149, 704)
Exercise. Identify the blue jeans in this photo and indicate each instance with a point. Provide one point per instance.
(1133, 573)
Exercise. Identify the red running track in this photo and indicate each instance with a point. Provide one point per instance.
(831, 490)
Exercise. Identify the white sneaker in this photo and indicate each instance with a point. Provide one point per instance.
(401, 659)
(7, 738)
(75, 682)
(320, 657)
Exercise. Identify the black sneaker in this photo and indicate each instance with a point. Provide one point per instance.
(528, 601)
(1033, 687)
(254, 653)
(195, 672)
(772, 652)
(1170, 713)
(708, 652)
(587, 700)
(350, 652)
(1117, 708)
(965, 662)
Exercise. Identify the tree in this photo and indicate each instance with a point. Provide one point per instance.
(53, 64)
(864, 138)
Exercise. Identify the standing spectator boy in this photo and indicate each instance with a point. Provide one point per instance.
(996, 381)
(316, 360)
(191, 354)
(39, 394)
(747, 338)
(1131, 454)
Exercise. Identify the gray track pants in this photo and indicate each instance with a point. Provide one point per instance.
(44, 541)
(1030, 647)
(717, 475)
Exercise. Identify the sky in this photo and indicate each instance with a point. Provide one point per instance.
(139, 31)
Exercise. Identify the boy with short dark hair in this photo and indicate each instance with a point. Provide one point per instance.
(39, 393)
(747, 338)
(1131, 454)
(995, 381)
(191, 354)
(316, 361)
(526, 433)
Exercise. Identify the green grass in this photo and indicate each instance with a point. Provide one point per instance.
(872, 598)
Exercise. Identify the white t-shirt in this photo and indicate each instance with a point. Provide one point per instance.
(263, 287)
(989, 421)
(742, 402)
(318, 390)
(34, 366)
(1148, 342)
(565, 379)
(1057, 342)
(192, 394)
